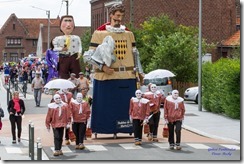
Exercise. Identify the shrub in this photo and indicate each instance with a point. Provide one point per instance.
(221, 87)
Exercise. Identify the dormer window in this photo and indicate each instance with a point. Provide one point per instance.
(14, 26)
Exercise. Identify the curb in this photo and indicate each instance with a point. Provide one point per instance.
(207, 135)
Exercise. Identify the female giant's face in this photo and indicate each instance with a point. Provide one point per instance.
(67, 25)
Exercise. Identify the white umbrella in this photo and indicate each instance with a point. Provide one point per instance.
(59, 84)
(159, 73)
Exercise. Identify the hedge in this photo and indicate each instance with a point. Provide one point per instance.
(221, 87)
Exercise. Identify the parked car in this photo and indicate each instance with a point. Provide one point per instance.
(191, 94)
(162, 79)
(164, 85)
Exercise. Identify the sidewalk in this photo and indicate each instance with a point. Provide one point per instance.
(207, 124)
(211, 125)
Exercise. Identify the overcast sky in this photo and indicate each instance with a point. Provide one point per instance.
(80, 9)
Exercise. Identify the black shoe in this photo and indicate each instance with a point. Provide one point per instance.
(18, 139)
(14, 142)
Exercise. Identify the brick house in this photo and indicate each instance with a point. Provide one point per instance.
(218, 16)
(19, 36)
(226, 47)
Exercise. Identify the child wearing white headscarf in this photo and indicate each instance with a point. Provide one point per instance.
(66, 97)
(174, 111)
(80, 113)
(58, 117)
(155, 99)
(139, 112)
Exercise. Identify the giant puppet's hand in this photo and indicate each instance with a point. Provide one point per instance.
(78, 57)
(107, 70)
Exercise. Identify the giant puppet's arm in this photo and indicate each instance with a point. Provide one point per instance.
(79, 44)
(57, 45)
(138, 67)
(93, 57)
(137, 60)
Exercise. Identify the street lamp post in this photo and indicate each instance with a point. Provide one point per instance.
(48, 26)
(48, 29)
(67, 7)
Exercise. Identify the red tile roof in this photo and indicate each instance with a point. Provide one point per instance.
(234, 40)
(33, 25)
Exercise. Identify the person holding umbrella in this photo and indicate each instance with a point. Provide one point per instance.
(155, 102)
(66, 97)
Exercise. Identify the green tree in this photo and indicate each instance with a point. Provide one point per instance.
(147, 36)
(85, 40)
(163, 44)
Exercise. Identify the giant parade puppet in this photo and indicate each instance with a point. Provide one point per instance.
(115, 58)
(69, 48)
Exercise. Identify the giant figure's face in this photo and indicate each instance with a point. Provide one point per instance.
(116, 18)
(67, 25)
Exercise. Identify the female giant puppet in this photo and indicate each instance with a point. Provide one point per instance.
(115, 80)
(52, 62)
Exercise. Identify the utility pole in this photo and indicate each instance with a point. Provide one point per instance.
(132, 13)
(67, 7)
(200, 58)
(48, 29)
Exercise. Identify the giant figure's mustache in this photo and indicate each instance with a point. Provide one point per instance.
(117, 23)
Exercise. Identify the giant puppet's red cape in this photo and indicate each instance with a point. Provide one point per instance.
(103, 27)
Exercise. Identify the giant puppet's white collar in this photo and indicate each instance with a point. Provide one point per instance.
(120, 29)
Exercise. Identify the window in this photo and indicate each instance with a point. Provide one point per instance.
(22, 55)
(5, 57)
(14, 42)
(157, 81)
(14, 57)
(34, 42)
(238, 27)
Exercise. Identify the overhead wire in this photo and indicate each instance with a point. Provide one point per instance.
(60, 8)
(71, 2)
(10, 1)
